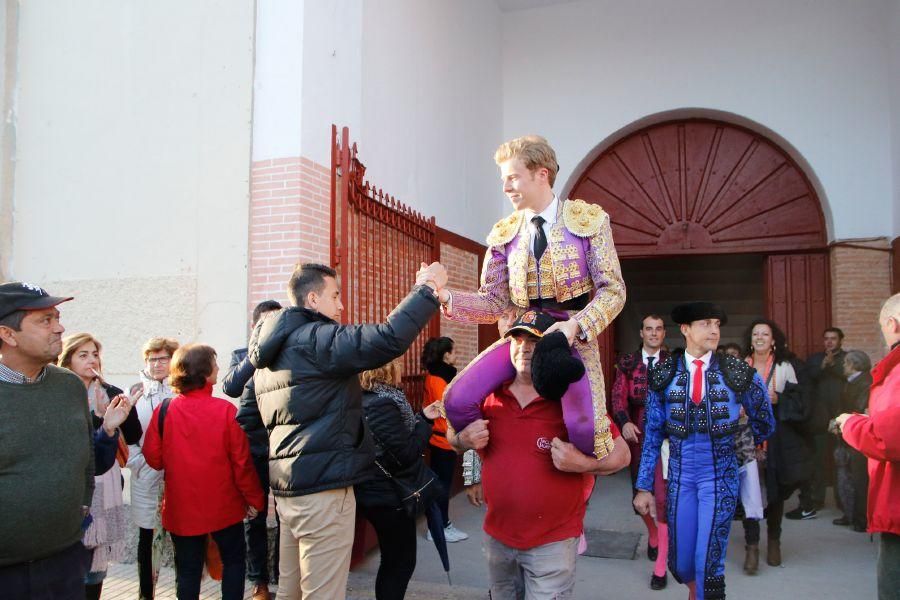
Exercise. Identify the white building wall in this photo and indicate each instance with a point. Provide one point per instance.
(817, 74)
(278, 76)
(893, 36)
(432, 108)
(132, 164)
(419, 85)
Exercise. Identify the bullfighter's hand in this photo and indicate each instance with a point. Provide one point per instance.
(570, 328)
(475, 436)
(644, 504)
(435, 273)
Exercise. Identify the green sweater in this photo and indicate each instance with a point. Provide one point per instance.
(46, 465)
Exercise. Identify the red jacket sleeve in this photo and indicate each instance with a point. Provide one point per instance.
(152, 448)
(242, 466)
(877, 437)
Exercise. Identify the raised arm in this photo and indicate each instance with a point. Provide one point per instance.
(491, 300)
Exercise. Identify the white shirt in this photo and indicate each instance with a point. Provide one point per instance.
(692, 368)
(854, 375)
(646, 356)
(549, 216)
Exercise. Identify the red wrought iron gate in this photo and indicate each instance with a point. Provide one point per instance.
(378, 245)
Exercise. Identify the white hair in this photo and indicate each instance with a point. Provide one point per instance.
(891, 308)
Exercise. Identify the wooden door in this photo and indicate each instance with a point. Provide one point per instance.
(797, 298)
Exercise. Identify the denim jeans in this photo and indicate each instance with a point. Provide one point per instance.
(257, 532)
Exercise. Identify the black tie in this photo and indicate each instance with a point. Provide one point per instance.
(650, 360)
(540, 241)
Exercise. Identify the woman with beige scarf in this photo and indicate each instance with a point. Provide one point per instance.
(105, 535)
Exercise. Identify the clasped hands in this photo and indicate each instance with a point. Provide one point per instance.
(435, 277)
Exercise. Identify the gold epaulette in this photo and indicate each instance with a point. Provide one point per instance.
(581, 218)
(505, 230)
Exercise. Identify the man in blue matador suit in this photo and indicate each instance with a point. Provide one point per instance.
(695, 400)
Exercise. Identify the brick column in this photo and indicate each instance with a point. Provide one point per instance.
(462, 266)
(860, 283)
(290, 222)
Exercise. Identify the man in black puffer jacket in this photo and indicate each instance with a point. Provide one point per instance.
(309, 396)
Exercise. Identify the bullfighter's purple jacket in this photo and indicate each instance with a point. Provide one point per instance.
(580, 259)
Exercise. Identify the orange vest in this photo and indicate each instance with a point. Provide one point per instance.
(434, 391)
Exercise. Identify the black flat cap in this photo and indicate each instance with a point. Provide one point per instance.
(17, 295)
(685, 314)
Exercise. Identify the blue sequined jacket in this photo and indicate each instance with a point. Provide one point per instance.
(730, 384)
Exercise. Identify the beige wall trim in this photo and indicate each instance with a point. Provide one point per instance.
(9, 25)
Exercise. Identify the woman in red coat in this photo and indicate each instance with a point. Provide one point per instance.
(210, 482)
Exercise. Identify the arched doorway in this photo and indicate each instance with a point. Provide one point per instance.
(705, 209)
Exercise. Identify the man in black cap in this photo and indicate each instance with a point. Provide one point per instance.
(46, 458)
(534, 482)
(695, 399)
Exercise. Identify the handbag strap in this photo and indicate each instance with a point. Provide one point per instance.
(163, 409)
(383, 447)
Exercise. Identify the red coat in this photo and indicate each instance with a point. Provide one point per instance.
(878, 437)
(209, 476)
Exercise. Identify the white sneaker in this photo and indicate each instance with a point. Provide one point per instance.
(451, 534)
(454, 535)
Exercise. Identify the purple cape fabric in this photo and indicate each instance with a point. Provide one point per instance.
(493, 367)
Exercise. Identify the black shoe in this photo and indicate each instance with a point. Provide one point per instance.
(798, 514)
(659, 583)
(843, 521)
(652, 552)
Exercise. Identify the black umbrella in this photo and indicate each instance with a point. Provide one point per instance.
(436, 527)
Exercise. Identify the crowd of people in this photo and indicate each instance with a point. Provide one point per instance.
(323, 425)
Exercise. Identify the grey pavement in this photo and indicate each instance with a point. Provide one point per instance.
(821, 561)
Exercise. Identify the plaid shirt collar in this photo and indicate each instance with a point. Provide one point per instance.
(8, 375)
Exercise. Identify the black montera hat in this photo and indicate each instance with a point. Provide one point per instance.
(17, 295)
(553, 368)
(685, 314)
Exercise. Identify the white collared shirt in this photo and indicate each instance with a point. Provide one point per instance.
(853, 376)
(646, 356)
(692, 368)
(549, 216)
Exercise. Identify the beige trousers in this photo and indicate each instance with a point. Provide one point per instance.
(315, 543)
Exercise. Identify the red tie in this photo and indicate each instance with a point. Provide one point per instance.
(697, 384)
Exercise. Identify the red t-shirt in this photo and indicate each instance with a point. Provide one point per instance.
(529, 502)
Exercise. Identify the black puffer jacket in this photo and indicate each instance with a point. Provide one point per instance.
(238, 383)
(397, 447)
(308, 391)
